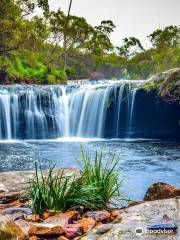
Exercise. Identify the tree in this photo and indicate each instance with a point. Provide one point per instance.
(169, 37)
(130, 47)
(9, 26)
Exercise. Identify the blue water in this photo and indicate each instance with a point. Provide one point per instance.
(141, 162)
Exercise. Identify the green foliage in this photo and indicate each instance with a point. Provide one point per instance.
(58, 46)
(96, 188)
(102, 176)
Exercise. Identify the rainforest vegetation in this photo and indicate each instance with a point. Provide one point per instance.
(53, 46)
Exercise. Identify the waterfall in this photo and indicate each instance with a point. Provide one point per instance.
(132, 95)
(92, 110)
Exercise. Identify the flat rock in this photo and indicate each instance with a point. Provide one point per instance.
(141, 216)
(6, 197)
(46, 229)
(19, 180)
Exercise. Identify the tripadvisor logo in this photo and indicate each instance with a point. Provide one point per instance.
(141, 231)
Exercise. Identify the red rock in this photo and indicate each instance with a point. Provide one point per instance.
(48, 214)
(82, 226)
(6, 197)
(98, 216)
(161, 190)
(46, 230)
(15, 203)
(63, 218)
(33, 218)
(73, 230)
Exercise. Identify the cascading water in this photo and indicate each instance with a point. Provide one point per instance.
(89, 110)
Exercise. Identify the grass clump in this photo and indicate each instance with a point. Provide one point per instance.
(96, 188)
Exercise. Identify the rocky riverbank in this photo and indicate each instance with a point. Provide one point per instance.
(18, 220)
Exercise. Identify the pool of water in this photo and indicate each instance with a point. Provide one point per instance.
(141, 162)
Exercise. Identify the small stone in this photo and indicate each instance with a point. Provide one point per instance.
(6, 197)
(63, 218)
(15, 203)
(48, 214)
(98, 216)
(33, 218)
(161, 190)
(82, 226)
(73, 230)
(46, 230)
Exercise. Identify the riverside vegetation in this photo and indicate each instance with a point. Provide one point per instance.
(54, 46)
(96, 188)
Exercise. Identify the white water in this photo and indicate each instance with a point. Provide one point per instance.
(49, 112)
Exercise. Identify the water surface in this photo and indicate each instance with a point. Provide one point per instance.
(141, 162)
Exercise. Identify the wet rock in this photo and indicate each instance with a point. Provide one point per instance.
(63, 218)
(46, 229)
(98, 216)
(161, 190)
(6, 197)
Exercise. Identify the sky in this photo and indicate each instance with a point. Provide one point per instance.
(136, 18)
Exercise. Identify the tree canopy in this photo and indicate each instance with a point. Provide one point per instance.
(55, 46)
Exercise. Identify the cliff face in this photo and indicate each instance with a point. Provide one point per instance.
(156, 110)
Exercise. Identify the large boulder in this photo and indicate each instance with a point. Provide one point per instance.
(139, 217)
(161, 190)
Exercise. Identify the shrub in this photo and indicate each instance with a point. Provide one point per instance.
(51, 79)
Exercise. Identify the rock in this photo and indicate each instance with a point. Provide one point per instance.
(33, 218)
(82, 226)
(73, 230)
(19, 180)
(116, 213)
(161, 190)
(48, 214)
(46, 229)
(26, 211)
(15, 203)
(98, 231)
(63, 218)
(141, 216)
(10, 228)
(98, 216)
(6, 197)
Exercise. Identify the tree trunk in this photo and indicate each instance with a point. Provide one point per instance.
(65, 36)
